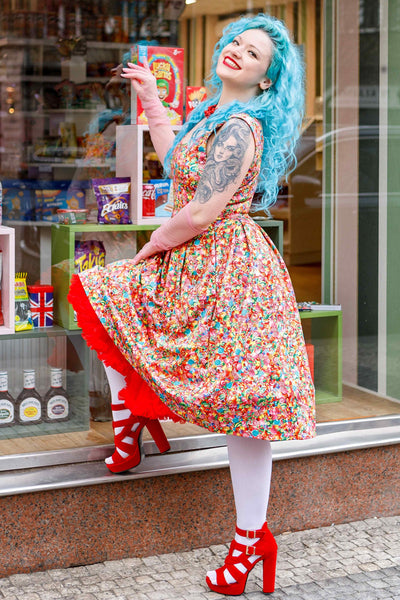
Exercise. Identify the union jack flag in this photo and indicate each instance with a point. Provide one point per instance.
(41, 303)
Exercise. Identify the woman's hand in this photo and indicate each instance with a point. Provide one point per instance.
(143, 81)
(145, 85)
(148, 250)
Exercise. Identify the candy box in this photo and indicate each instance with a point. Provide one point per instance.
(18, 200)
(61, 194)
(166, 65)
(41, 303)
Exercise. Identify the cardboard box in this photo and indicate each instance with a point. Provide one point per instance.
(194, 96)
(167, 66)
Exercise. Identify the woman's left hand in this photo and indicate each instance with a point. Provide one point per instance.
(143, 82)
(148, 250)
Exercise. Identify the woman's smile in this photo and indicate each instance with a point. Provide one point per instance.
(231, 63)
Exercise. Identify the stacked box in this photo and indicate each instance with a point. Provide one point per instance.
(41, 304)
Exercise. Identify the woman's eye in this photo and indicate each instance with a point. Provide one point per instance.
(252, 53)
(235, 42)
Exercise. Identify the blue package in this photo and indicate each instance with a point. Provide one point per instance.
(18, 200)
(163, 198)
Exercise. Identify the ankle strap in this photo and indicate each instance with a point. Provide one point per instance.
(252, 534)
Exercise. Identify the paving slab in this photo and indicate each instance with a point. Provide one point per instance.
(353, 561)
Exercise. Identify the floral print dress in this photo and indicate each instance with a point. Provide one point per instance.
(211, 326)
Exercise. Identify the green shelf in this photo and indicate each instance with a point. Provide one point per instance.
(63, 258)
(323, 329)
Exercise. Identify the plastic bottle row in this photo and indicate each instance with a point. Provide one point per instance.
(30, 408)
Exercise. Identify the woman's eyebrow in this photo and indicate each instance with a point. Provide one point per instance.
(238, 37)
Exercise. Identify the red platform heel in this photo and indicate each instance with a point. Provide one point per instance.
(265, 548)
(133, 448)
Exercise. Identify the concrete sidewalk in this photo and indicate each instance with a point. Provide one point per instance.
(357, 561)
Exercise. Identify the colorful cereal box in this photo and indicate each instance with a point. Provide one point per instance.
(167, 66)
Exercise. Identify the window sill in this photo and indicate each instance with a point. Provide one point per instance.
(20, 474)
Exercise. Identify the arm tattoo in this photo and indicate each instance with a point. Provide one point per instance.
(225, 159)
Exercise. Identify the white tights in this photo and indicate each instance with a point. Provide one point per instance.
(116, 381)
(250, 462)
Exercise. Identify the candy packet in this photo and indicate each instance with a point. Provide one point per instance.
(23, 315)
(113, 197)
(88, 254)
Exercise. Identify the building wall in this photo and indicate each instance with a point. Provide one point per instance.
(143, 517)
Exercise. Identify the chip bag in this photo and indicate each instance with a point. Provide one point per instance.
(113, 196)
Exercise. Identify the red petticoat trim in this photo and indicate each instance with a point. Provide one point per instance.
(137, 395)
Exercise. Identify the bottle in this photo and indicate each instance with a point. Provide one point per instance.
(7, 402)
(56, 402)
(29, 403)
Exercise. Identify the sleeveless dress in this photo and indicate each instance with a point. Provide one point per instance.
(208, 332)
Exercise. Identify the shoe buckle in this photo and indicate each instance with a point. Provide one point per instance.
(251, 534)
(250, 551)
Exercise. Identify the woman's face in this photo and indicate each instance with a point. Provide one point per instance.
(244, 62)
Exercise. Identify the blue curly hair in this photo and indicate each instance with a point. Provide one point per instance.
(279, 109)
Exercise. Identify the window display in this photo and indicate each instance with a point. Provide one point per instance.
(69, 141)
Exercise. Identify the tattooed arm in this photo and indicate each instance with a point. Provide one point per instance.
(228, 160)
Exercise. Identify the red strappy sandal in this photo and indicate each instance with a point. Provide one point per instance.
(134, 449)
(267, 550)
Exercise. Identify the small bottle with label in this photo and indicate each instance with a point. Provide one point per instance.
(7, 402)
(29, 403)
(56, 402)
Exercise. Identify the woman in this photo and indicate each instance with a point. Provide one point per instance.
(202, 325)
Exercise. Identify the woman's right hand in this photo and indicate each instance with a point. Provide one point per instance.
(143, 81)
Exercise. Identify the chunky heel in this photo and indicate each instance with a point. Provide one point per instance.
(269, 571)
(264, 549)
(158, 435)
(129, 440)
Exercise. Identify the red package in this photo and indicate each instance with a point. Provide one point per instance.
(194, 95)
(149, 200)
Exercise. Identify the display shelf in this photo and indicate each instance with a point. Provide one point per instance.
(40, 349)
(323, 329)
(274, 230)
(129, 163)
(52, 41)
(7, 247)
(63, 257)
(38, 332)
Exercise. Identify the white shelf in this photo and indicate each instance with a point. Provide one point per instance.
(7, 246)
(52, 41)
(129, 163)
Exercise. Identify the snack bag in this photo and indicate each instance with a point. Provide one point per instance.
(23, 315)
(88, 254)
(113, 196)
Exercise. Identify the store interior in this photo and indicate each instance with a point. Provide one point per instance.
(60, 103)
